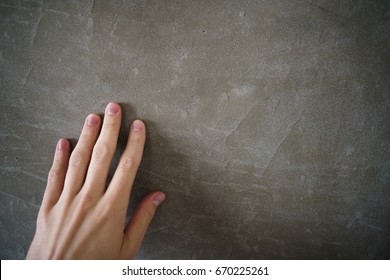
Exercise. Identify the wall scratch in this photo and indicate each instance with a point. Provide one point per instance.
(36, 27)
(18, 198)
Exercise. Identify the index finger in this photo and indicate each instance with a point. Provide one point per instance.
(121, 184)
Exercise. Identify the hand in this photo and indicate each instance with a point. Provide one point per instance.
(79, 217)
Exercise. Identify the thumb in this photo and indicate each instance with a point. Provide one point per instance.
(137, 226)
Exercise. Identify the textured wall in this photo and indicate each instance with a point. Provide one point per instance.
(268, 121)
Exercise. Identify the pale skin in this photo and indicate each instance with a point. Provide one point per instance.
(80, 217)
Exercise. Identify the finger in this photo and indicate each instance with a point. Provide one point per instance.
(136, 228)
(56, 178)
(104, 150)
(121, 184)
(81, 154)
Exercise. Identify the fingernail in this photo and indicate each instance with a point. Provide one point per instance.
(158, 199)
(92, 120)
(137, 125)
(62, 144)
(112, 109)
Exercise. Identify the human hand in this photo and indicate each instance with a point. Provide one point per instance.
(79, 217)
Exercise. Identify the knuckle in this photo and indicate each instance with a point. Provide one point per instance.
(136, 139)
(105, 214)
(54, 174)
(78, 159)
(88, 133)
(101, 152)
(129, 163)
(87, 198)
(109, 124)
(85, 203)
(147, 214)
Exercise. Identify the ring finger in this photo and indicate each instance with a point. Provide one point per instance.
(81, 155)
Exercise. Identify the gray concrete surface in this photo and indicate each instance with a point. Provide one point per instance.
(268, 121)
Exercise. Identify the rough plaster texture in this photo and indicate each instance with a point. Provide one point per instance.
(268, 121)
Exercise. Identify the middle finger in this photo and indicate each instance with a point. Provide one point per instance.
(104, 150)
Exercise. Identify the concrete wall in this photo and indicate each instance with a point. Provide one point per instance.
(268, 121)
